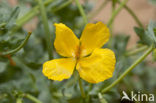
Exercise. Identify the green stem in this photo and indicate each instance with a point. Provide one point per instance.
(81, 11)
(46, 28)
(143, 48)
(32, 13)
(111, 26)
(28, 16)
(81, 88)
(72, 81)
(62, 6)
(125, 6)
(133, 15)
(19, 100)
(114, 14)
(101, 99)
(129, 69)
(85, 21)
(92, 15)
(113, 4)
(18, 48)
(32, 98)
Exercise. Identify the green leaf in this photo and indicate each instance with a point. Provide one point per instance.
(144, 37)
(13, 17)
(151, 31)
(153, 2)
(148, 36)
(75, 100)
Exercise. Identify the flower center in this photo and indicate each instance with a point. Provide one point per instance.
(78, 53)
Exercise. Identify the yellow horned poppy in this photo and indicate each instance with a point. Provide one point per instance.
(93, 63)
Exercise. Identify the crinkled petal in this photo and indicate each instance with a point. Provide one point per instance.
(59, 69)
(93, 36)
(97, 67)
(66, 42)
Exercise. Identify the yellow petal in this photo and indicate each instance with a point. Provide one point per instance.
(93, 36)
(66, 42)
(59, 69)
(97, 67)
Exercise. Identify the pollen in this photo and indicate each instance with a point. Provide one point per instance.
(78, 52)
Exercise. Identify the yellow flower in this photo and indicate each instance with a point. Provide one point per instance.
(93, 63)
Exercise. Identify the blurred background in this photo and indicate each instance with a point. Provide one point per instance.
(124, 23)
(21, 73)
